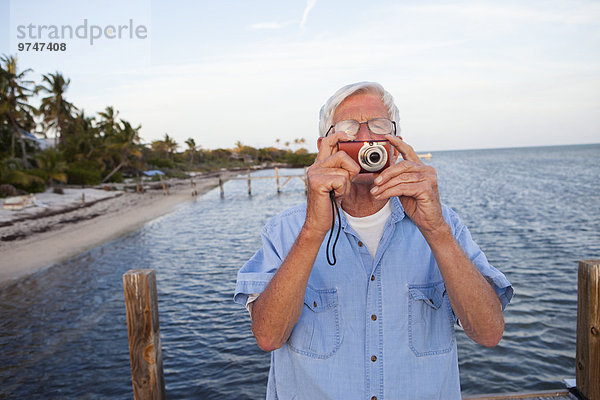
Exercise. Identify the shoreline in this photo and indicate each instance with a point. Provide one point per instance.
(36, 239)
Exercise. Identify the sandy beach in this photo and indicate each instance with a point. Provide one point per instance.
(59, 227)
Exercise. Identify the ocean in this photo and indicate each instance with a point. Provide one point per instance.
(534, 211)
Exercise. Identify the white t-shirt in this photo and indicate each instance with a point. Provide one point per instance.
(370, 228)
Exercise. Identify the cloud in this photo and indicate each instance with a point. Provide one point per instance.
(309, 6)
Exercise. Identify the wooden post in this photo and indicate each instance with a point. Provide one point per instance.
(193, 186)
(145, 352)
(277, 179)
(249, 187)
(221, 187)
(587, 371)
(163, 185)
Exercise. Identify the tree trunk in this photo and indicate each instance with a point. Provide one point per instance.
(114, 171)
(16, 131)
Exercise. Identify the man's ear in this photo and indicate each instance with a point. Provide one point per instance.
(319, 140)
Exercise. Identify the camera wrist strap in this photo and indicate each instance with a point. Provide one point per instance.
(334, 210)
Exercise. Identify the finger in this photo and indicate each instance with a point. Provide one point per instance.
(329, 145)
(417, 190)
(408, 153)
(403, 167)
(341, 160)
(326, 179)
(401, 179)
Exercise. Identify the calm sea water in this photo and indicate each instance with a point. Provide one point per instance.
(534, 211)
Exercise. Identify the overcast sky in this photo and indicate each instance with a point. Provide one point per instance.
(465, 74)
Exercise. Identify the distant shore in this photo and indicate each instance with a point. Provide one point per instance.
(62, 226)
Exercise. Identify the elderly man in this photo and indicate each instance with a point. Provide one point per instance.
(379, 323)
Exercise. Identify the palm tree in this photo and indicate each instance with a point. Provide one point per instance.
(108, 121)
(51, 162)
(127, 151)
(14, 94)
(56, 110)
(159, 147)
(239, 146)
(170, 145)
(191, 143)
(83, 138)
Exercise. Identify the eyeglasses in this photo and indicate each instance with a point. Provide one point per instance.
(378, 126)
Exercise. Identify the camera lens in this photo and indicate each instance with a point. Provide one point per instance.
(374, 158)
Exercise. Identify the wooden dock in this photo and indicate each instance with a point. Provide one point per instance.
(277, 178)
(248, 178)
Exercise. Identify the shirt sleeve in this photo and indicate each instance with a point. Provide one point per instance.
(497, 280)
(253, 277)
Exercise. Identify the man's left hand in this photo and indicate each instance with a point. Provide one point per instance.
(415, 184)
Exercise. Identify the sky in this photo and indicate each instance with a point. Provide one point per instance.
(464, 74)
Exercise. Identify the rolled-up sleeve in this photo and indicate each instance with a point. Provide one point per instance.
(278, 236)
(496, 279)
(256, 274)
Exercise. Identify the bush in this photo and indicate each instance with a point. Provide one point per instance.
(300, 160)
(7, 190)
(40, 173)
(161, 163)
(116, 178)
(77, 175)
(33, 185)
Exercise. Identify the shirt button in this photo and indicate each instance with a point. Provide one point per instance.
(373, 358)
(374, 398)
(372, 277)
(314, 304)
(360, 243)
(374, 317)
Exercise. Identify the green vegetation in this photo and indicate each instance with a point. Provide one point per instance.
(94, 149)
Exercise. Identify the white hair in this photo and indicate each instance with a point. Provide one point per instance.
(328, 109)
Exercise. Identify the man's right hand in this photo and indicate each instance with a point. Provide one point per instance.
(332, 170)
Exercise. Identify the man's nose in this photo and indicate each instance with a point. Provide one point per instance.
(363, 132)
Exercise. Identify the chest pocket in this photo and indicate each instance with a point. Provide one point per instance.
(430, 320)
(317, 332)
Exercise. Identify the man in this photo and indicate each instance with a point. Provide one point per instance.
(379, 324)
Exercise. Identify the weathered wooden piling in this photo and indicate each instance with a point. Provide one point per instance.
(277, 179)
(587, 370)
(145, 352)
(222, 193)
(249, 185)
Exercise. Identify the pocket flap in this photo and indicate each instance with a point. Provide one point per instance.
(431, 295)
(320, 300)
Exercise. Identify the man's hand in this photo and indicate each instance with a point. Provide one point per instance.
(332, 170)
(473, 298)
(415, 184)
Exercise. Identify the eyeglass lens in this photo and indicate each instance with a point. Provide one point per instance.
(378, 126)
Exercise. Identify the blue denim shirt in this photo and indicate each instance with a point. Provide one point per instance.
(371, 327)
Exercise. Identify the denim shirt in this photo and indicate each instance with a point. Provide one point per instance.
(370, 328)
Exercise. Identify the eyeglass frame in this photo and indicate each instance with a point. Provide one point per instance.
(366, 122)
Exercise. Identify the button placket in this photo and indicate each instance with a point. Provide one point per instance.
(373, 328)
